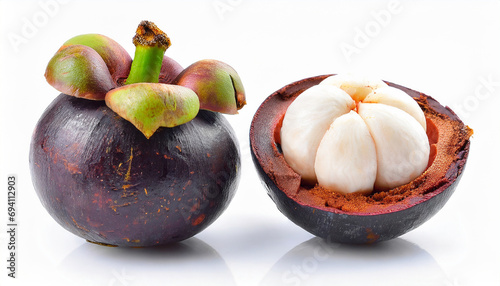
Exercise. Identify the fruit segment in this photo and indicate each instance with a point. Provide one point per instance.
(395, 97)
(402, 144)
(353, 134)
(358, 87)
(346, 151)
(305, 123)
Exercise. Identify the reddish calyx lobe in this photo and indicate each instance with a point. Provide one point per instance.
(80, 71)
(217, 84)
(117, 60)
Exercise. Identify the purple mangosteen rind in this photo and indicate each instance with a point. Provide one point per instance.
(282, 183)
(124, 156)
(102, 180)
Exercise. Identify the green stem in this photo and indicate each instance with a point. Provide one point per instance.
(146, 65)
(150, 45)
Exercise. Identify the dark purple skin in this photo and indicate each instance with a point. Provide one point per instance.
(328, 223)
(101, 179)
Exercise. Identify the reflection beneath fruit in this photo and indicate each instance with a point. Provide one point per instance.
(190, 262)
(317, 262)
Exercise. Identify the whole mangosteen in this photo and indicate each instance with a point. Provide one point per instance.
(356, 160)
(124, 156)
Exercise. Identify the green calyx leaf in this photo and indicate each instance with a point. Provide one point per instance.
(88, 66)
(79, 71)
(93, 66)
(217, 85)
(114, 55)
(149, 106)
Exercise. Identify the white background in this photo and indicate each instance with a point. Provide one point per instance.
(447, 49)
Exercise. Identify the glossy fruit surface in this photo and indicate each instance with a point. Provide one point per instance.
(377, 217)
(100, 178)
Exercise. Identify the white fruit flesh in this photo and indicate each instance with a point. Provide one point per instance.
(353, 134)
(346, 151)
(305, 123)
(401, 143)
(396, 97)
(358, 87)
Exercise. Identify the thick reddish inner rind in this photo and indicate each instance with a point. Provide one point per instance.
(448, 138)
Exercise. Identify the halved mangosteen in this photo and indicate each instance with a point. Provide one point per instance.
(133, 161)
(359, 217)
